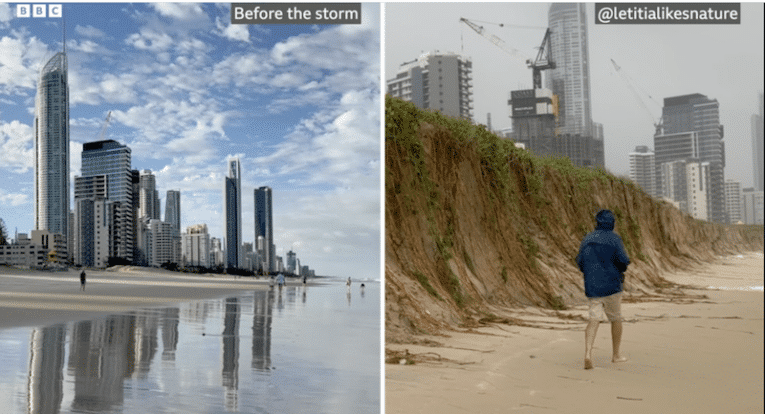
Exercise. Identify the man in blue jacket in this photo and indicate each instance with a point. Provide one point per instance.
(603, 261)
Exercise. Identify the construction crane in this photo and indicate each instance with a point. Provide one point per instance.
(542, 62)
(102, 134)
(657, 124)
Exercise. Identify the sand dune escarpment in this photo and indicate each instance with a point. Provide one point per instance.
(473, 223)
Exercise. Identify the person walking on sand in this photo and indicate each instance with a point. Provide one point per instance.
(82, 280)
(603, 261)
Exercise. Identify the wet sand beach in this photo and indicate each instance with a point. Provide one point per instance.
(699, 353)
(29, 298)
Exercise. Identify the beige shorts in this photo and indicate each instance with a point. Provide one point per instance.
(612, 306)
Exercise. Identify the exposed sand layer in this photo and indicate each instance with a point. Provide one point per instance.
(30, 298)
(697, 353)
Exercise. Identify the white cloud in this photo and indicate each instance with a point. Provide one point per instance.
(89, 31)
(150, 40)
(6, 15)
(20, 60)
(9, 199)
(236, 32)
(16, 146)
(180, 11)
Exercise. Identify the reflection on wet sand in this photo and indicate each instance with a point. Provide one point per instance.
(112, 363)
(46, 362)
(263, 304)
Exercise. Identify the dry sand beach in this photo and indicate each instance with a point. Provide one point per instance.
(701, 352)
(29, 298)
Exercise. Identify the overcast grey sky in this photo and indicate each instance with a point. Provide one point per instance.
(724, 62)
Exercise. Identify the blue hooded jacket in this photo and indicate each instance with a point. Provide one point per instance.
(602, 258)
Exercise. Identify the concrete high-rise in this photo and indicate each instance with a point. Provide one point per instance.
(233, 216)
(173, 217)
(148, 195)
(758, 148)
(753, 206)
(733, 199)
(569, 81)
(691, 128)
(438, 81)
(92, 222)
(264, 227)
(51, 131)
(643, 170)
(112, 159)
(196, 246)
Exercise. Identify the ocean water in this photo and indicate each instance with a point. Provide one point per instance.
(298, 350)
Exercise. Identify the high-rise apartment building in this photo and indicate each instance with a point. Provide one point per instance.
(217, 256)
(733, 199)
(112, 159)
(291, 262)
(691, 128)
(233, 209)
(173, 217)
(148, 196)
(264, 227)
(753, 206)
(93, 223)
(196, 246)
(438, 81)
(580, 138)
(156, 241)
(51, 131)
(758, 148)
(643, 170)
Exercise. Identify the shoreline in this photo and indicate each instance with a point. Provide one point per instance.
(38, 298)
(700, 352)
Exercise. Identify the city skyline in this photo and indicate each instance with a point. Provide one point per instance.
(298, 104)
(723, 62)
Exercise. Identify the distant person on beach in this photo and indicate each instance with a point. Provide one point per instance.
(305, 279)
(82, 280)
(280, 280)
(348, 283)
(603, 261)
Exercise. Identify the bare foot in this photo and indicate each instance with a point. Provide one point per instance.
(587, 363)
(619, 359)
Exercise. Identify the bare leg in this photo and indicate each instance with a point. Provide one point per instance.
(589, 341)
(616, 339)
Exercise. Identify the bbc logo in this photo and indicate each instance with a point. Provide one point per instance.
(39, 10)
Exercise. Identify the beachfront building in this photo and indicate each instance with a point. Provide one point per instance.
(753, 206)
(196, 246)
(758, 148)
(173, 217)
(156, 239)
(264, 228)
(579, 138)
(92, 222)
(733, 199)
(217, 255)
(233, 214)
(112, 160)
(438, 81)
(51, 131)
(43, 248)
(691, 129)
(643, 170)
(148, 195)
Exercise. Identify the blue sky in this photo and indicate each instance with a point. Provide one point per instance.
(298, 104)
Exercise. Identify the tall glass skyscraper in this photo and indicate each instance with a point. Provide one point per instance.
(233, 207)
(173, 217)
(113, 159)
(264, 225)
(52, 147)
(581, 139)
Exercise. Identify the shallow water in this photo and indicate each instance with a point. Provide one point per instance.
(312, 350)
